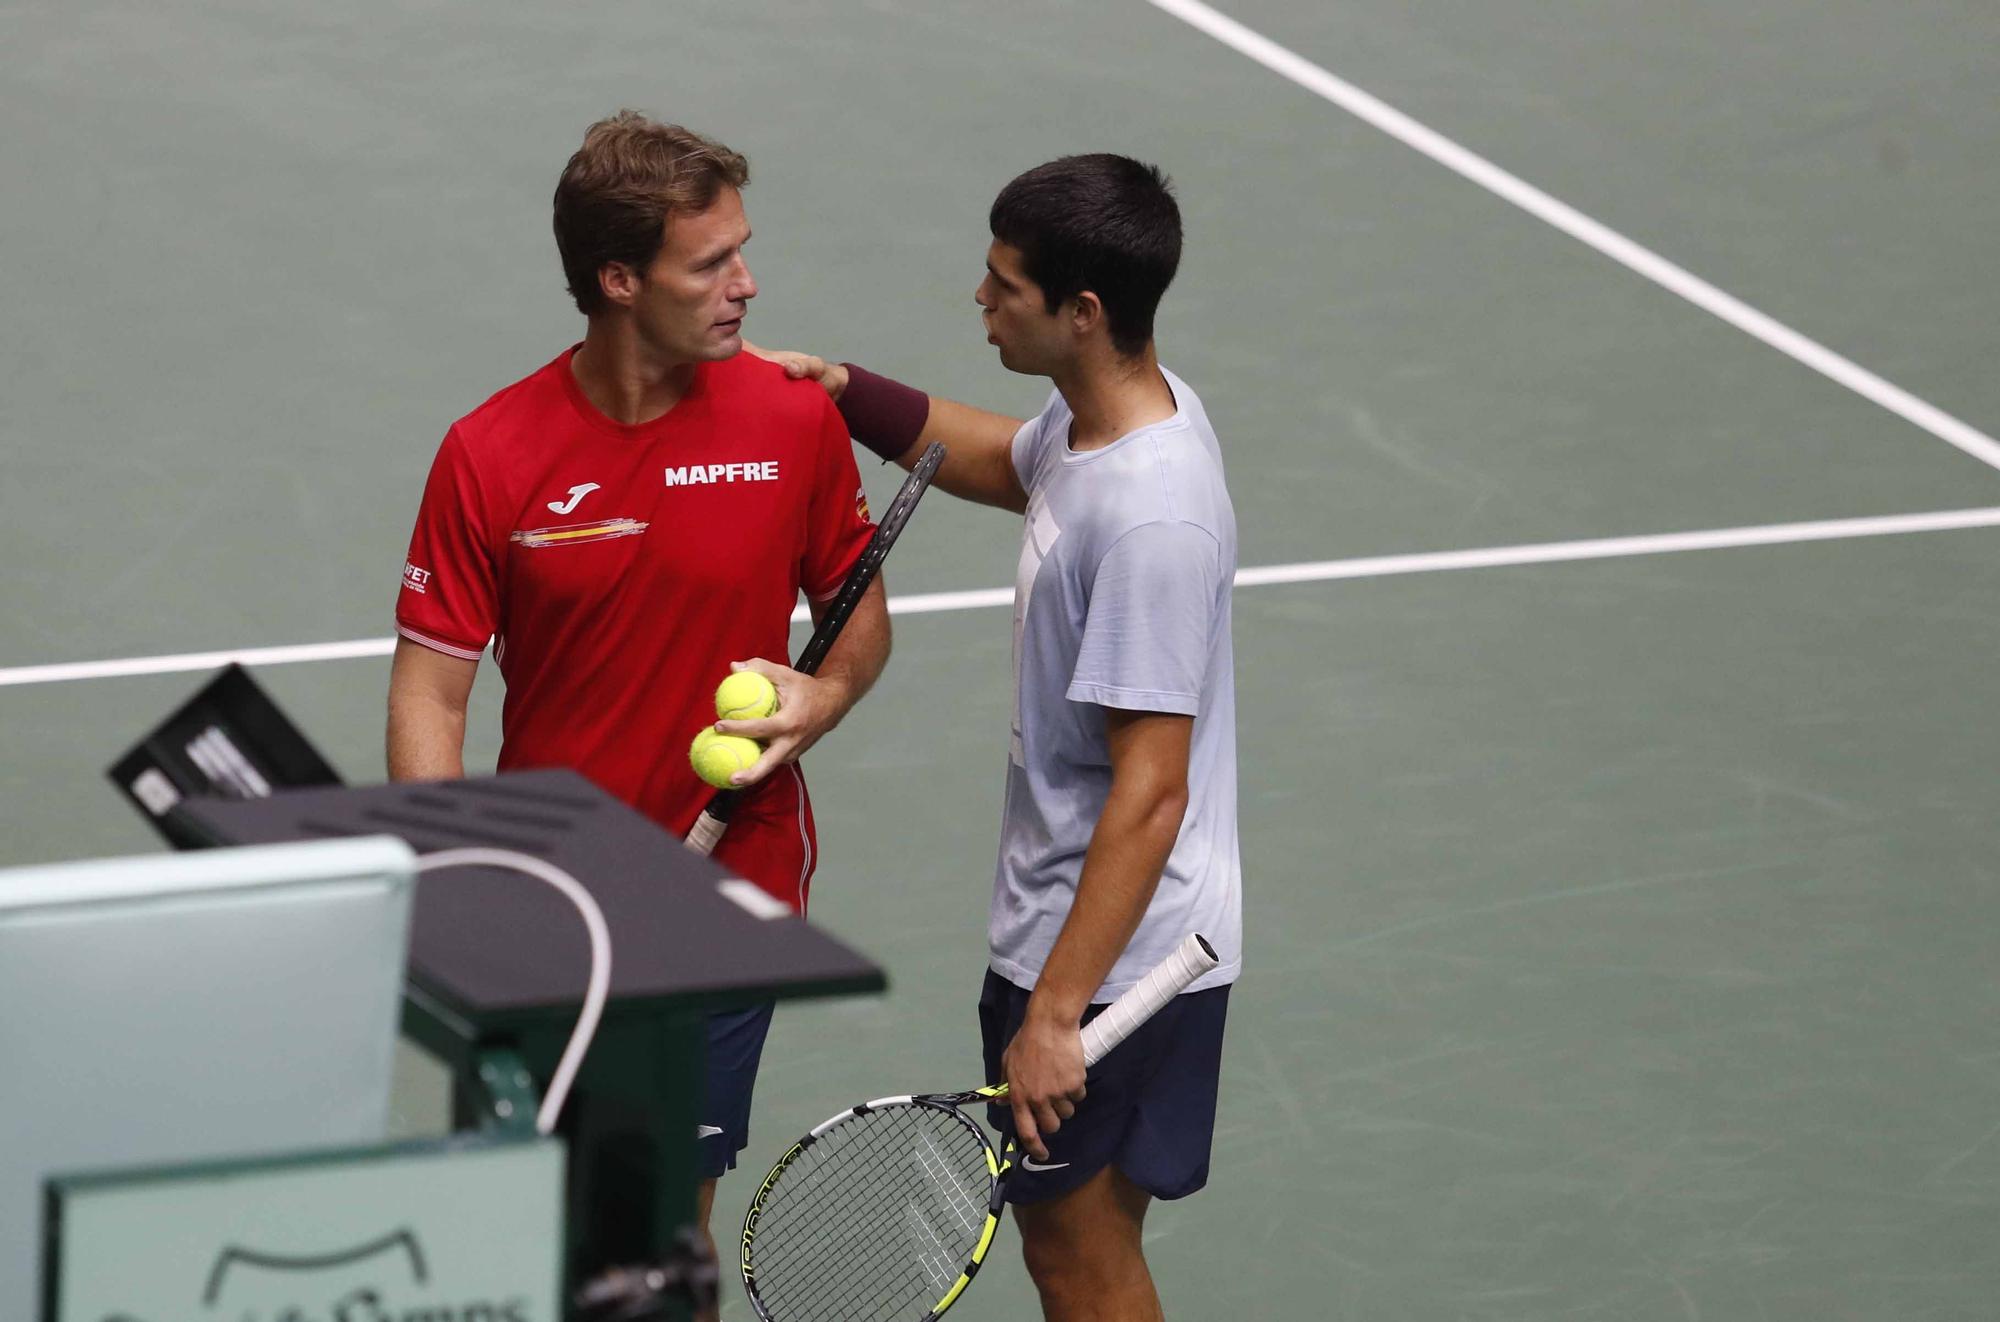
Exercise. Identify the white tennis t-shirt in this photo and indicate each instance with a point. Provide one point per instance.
(1121, 600)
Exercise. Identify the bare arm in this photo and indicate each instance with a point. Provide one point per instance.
(428, 692)
(1121, 869)
(978, 464)
(979, 454)
(858, 655)
(810, 705)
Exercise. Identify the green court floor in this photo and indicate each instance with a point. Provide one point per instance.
(1621, 934)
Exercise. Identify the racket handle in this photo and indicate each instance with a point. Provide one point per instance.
(1169, 979)
(706, 833)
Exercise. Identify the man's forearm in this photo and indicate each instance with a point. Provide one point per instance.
(428, 692)
(897, 422)
(979, 454)
(1121, 869)
(809, 706)
(862, 650)
(426, 740)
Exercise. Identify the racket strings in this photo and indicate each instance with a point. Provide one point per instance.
(889, 1241)
(874, 1221)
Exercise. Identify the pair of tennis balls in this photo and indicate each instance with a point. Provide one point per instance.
(744, 696)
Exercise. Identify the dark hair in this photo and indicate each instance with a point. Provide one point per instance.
(616, 193)
(1103, 223)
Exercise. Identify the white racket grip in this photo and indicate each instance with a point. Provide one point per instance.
(1192, 958)
(706, 834)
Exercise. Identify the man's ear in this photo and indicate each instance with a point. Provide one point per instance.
(1086, 313)
(619, 283)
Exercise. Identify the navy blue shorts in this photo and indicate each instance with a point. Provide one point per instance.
(1150, 1108)
(735, 1044)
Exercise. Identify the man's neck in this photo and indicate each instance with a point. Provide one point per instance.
(1112, 396)
(623, 379)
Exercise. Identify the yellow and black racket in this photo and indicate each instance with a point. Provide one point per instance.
(885, 1212)
(707, 831)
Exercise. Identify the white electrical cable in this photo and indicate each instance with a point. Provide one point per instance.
(596, 991)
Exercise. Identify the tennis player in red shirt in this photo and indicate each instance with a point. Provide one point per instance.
(629, 521)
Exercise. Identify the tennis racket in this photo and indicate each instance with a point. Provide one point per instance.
(714, 820)
(885, 1212)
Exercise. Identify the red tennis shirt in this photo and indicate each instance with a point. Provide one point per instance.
(618, 570)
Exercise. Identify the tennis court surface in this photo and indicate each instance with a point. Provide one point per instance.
(1608, 399)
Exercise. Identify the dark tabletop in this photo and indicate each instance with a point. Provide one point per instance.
(492, 945)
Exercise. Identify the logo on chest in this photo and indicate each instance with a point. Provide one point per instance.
(574, 534)
(696, 475)
(576, 494)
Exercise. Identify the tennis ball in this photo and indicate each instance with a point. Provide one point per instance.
(745, 696)
(716, 757)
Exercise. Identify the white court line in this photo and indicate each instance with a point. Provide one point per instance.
(1320, 571)
(1675, 279)
(1610, 548)
(168, 665)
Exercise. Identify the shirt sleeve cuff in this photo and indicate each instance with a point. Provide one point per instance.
(1160, 700)
(458, 650)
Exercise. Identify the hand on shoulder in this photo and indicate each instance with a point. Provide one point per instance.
(832, 377)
